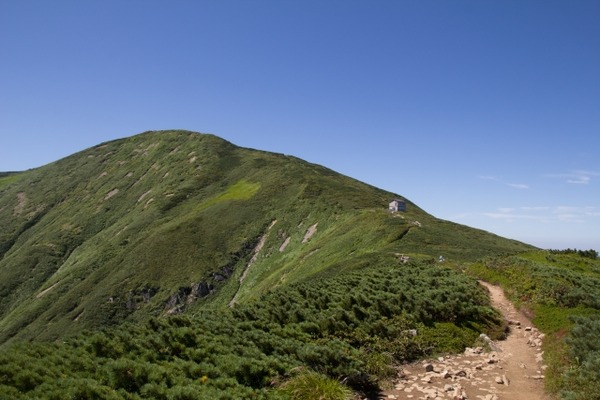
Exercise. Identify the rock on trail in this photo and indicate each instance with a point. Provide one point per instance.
(513, 370)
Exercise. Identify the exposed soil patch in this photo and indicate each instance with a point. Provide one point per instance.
(310, 232)
(43, 292)
(111, 194)
(285, 244)
(144, 195)
(21, 202)
(512, 370)
(256, 251)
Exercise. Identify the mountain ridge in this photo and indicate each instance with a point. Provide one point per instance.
(167, 221)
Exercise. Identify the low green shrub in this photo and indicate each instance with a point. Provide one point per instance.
(380, 366)
(310, 385)
(351, 328)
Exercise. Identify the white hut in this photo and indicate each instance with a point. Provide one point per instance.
(397, 205)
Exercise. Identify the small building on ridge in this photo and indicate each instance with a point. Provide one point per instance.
(397, 205)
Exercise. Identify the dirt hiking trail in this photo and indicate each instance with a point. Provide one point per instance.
(512, 370)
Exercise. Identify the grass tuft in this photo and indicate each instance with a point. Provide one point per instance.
(310, 385)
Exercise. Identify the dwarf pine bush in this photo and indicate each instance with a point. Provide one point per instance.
(351, 328)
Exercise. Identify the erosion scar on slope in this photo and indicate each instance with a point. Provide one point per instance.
(257, 249)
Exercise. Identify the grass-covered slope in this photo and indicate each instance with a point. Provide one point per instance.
(167, 221)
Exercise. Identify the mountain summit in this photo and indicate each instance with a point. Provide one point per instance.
(169, 221)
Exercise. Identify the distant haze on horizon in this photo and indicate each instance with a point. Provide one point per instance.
(486, 114)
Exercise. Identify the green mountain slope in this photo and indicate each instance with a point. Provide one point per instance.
(169, 221)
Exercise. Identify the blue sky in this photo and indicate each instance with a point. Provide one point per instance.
(485, 113)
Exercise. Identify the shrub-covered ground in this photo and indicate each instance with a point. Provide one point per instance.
(349, 328)
(561, 291)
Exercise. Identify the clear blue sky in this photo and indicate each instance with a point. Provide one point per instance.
(486, 113)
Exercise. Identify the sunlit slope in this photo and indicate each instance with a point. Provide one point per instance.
(167, 221)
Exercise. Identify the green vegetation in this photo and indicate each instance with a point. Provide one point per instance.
(167, 221)
(241, 190)
(118, 265)
(561, 290)
(7, 178)
(312, 385)
(593, 254)
(348, 328)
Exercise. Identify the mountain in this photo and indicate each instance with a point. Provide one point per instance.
(167, 222)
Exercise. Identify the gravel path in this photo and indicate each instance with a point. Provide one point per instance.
(513, 370)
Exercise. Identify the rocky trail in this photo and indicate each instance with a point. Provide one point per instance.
(512, 370)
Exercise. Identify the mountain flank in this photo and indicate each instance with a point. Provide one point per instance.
(176, 265)
(167, 221)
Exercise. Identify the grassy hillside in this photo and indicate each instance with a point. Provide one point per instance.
(169, 221)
